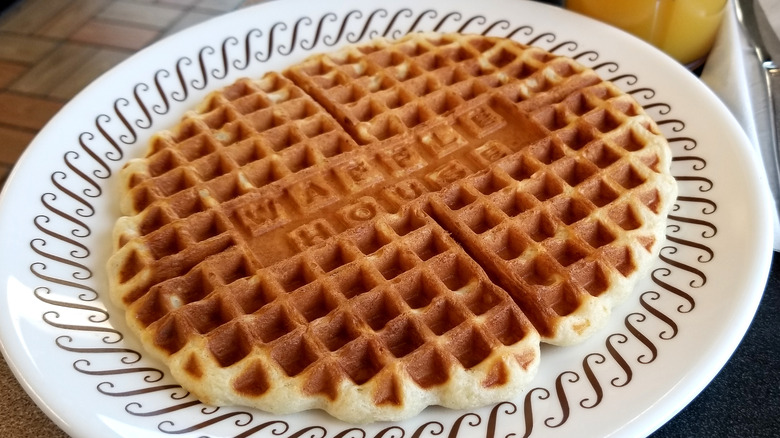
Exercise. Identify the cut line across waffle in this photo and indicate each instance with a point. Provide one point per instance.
(394, 225)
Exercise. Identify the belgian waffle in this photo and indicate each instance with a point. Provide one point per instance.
(394, 225)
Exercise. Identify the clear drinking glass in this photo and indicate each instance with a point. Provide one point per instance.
(685, 29)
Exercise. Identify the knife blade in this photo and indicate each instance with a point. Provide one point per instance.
(751, 20)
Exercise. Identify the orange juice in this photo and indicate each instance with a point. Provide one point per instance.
(685, 29)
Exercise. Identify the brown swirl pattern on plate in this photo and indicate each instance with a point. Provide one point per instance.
(88, 167)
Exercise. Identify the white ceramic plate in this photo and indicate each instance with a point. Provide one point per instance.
(68, 346)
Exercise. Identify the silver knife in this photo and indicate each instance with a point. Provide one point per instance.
(749, 15)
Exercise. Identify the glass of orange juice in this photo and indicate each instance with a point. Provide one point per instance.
(685, 29)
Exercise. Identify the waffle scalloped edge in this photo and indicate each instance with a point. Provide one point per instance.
(394, 225)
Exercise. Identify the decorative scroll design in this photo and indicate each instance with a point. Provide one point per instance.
(68, 212)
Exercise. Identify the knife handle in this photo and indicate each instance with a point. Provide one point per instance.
(772, 75)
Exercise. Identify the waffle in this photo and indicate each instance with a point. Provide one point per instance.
(391, 226)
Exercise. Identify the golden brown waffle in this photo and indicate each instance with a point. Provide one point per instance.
(395, 225)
